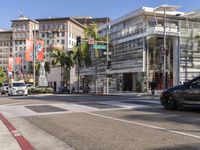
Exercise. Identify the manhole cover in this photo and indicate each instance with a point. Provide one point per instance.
(45, 108)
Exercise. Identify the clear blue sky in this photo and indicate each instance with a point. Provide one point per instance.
(64, 8)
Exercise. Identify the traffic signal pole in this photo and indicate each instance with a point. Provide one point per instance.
(108, 59)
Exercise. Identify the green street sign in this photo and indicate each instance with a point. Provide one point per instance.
(99, 46)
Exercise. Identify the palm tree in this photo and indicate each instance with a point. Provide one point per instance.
(65, 61)
(82, 53)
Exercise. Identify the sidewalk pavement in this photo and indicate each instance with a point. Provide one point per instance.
(118, 93)
(123, 93)
(7, 141)
(10, 138)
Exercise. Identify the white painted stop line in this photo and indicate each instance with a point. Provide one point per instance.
(146, 125)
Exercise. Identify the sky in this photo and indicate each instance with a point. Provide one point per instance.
(35, 9)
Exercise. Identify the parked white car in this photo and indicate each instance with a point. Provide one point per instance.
(17, 88)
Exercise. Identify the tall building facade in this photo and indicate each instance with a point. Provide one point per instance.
(23, 28)
(5, 48)
(137, 50)
(61, 32)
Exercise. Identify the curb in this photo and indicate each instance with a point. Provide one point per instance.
(23, 142)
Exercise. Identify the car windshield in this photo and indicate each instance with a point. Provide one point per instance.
(5, 84)
(18, 84)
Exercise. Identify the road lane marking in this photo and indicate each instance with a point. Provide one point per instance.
(145, 125)
(123, 105)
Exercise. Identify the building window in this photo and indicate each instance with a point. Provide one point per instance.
(43, 35)
(63, 34)
(63, 42)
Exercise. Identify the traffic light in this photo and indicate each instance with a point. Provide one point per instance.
(109, 64)
(78, 41)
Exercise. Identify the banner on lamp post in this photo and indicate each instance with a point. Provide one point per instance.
(29, 50)
(39, 50)
(10, 64)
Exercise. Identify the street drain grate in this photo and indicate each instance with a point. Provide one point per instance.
(45, 109)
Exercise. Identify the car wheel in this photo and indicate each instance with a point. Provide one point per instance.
(169, 102)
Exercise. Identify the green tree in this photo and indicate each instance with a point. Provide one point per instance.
(2, 77)
(82, 53)
(65, 61)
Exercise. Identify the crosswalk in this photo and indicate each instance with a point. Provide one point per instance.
(24, 109)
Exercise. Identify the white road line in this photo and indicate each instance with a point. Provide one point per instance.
(123, 105)
(148, 101)
(145, 125)
(13, 104)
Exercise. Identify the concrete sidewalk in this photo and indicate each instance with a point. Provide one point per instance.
(7, 141)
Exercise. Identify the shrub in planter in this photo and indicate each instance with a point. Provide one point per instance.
(38, 90)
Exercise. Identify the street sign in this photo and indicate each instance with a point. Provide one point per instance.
(107, 53)
(99, 46)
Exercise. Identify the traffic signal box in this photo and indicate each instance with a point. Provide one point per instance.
(109, 64)
(78, 41)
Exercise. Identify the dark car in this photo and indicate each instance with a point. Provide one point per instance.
(186, 94)
(4, 88)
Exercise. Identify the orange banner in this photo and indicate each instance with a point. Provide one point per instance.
(39, 50)
(18, 60)
(10, 64)
(29, 50)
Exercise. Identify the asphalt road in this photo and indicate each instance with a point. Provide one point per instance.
(82, 122)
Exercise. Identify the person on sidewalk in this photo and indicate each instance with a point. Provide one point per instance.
(153, 87)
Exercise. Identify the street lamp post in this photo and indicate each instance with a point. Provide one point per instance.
(165, 8)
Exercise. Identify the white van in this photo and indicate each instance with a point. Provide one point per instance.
(17, 88)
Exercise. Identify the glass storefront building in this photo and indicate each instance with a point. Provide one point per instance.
(137, 47)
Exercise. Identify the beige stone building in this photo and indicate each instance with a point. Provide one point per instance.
(61, 32)
(23, 29)
(5, 48)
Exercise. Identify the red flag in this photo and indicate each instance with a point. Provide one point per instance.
(18, 60)
(10, 64)
(29, 50)
(39, 49)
